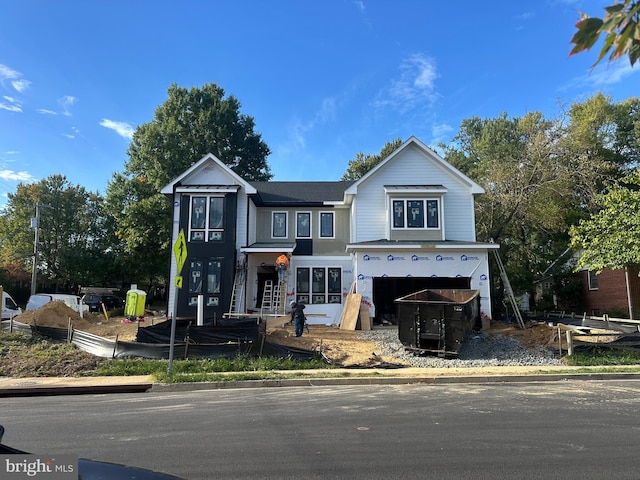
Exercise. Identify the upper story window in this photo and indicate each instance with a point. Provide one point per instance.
(279, 225)
(327, 225)
(415, 213)
(303, 224)
(206, 219)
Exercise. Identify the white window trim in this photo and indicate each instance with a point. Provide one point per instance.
(310, 224)
(410, 199)
(286, 223)
(333, 226)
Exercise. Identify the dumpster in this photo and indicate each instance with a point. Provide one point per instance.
(134, 305)
(437, 321)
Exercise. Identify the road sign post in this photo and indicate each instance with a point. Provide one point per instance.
(180, 251)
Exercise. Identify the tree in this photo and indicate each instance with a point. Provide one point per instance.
(363, 163)
(187, 126)
(536, 183)
(71, 233)
(620, 26)
(611, 237)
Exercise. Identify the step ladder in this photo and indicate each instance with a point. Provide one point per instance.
(508, 290)
(273, 297)
(279, 297)
(267, 297)
(237, 293)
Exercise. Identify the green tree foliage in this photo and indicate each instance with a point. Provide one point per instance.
(540, 177)
(72, 231)
(187, 126)
(611, 237)
(363, 163)
(620, 29)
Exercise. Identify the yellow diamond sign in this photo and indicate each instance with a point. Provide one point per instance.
(180, 250)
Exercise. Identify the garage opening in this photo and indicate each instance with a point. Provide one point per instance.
(387, 289)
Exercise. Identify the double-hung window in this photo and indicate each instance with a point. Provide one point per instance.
(319, 285)
(206, 219)
(415, 213)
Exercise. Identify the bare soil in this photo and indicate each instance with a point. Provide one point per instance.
(344, 347)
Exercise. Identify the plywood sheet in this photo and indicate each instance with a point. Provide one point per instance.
(365, 319)
(350, 312)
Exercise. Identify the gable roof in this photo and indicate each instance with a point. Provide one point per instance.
(200, 164)
(474, 187)
(308, 194)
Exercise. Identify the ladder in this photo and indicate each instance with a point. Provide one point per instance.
(273, 297)
(280, 297)
(237, 293)
(508, 290)
(267, 297)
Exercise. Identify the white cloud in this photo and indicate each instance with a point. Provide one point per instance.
(44, 111)
(415, 86)
(121, 128)
(360, 5)
(66, 102)
(21, 85)
(603, 74)
(11, 104)
(441, 133)
(14, 176)
(7, 73)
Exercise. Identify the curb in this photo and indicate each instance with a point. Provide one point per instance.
(59, 387)
(439, 380)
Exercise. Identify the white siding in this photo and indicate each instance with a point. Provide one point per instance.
(412, 167)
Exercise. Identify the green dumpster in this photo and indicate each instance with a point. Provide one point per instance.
(134, 305)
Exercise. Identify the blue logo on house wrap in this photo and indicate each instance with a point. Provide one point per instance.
(363, 277)
(393, 258)
(483, 276)
(367, 258)
(465, 258)
(416, 258)
(440, 258)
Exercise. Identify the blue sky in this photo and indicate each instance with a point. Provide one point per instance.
(323, 80)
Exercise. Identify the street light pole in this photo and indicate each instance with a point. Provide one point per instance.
(35, 223)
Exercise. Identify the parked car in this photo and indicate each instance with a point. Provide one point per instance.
(74, 302)
(95, 301)
(9, 307)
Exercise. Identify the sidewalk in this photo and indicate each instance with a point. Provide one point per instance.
(39, 386)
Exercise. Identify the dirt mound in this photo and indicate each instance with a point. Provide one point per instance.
(53, 314)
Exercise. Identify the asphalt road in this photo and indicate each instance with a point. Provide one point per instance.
(558, 430)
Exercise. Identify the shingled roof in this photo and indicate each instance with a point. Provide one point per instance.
(306, 194)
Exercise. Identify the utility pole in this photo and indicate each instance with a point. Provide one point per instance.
(35, 224)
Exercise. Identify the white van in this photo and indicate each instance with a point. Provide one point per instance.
(9, 307)
(74, 302)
